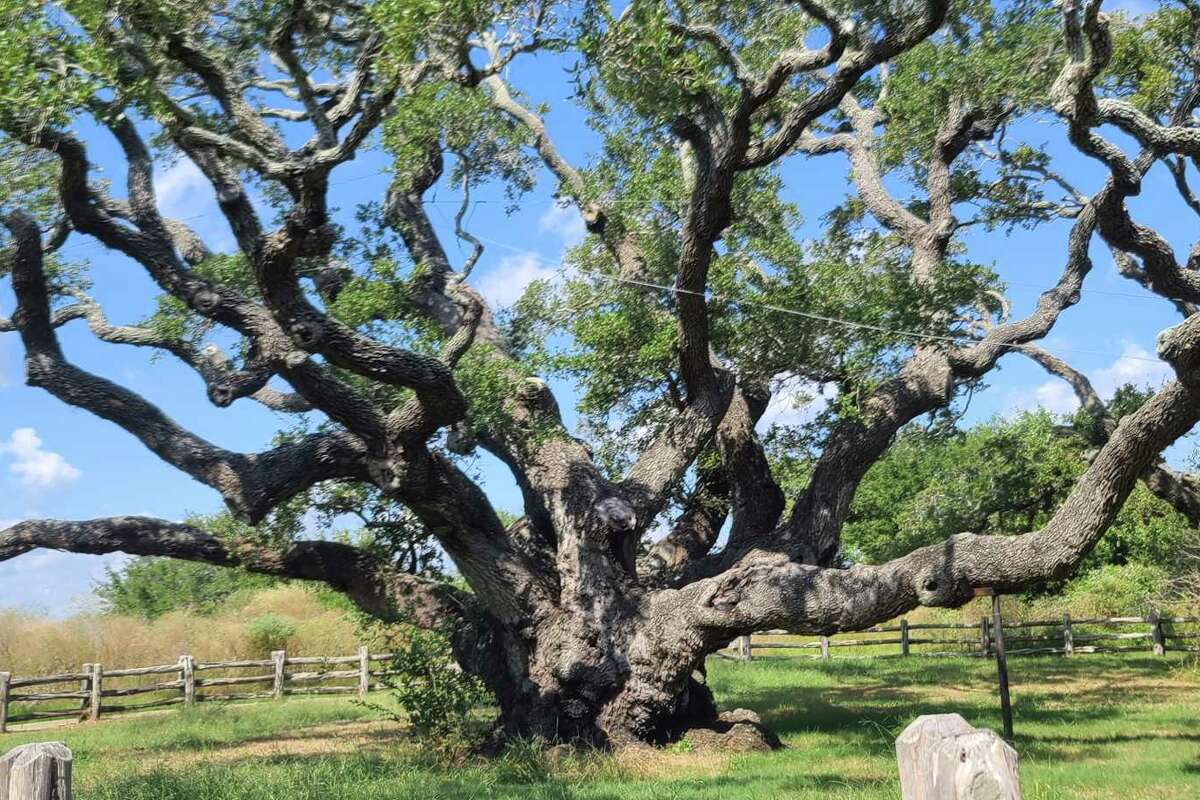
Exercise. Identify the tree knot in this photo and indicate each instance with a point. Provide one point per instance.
(206, 300)
(389, 474)
(221, 394)
(307, 333)
(616, 514)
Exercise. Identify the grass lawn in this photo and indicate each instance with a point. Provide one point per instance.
(1123, 727)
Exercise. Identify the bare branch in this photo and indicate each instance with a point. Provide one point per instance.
(851, 66)
(250, 484)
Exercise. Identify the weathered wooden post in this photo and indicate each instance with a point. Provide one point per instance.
(744, 651)
(39, 771)
(1156, 634)
(85, 685)
(97, 689)
(5, 680)
(903, 637)
(825, 647)
(187, 674)
(1068, 636)
(280, 659)
(941, 757)
(985, 638)
(1001, 663)
(364, 671)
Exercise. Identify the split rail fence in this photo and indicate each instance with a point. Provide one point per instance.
(89, 693)
(1155, 634)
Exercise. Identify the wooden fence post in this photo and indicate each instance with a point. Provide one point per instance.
(40, 771)
(364, 671)
(85, 685)
(1068, 636)
(1156, 634)
(903, 637)
(187, 670)
(825, 647)
(5, 679)
(744, 651)
(985, 638)
(97, 688)
(280, 659)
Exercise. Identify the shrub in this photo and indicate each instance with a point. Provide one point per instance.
(151, 587)
(269, 632)
(435, 694)
(1111, 590)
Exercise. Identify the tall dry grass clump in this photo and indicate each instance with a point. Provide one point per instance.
(33, 645)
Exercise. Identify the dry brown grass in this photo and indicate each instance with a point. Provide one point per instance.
(31, 645)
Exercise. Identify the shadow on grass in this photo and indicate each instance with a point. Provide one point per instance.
(868, 704)
(376, 778)
(1065, 709)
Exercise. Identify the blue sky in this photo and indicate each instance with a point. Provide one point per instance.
(56, 461)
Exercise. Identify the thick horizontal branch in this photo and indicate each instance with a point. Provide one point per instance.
(374, 585)
(1180, 490)
(772, 591)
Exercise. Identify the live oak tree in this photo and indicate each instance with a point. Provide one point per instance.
(590, 616)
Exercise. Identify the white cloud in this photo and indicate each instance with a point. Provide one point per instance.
(38, 468)
(564, 222)
(1053, 395)
(1135, 365)
(795, 402)
(184, 194)
(503, 284)
(55, 583)
(182, 189)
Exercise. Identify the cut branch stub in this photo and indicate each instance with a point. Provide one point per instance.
(40, 771)
(943, 758)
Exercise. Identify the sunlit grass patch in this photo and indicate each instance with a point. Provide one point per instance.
(1093, 727)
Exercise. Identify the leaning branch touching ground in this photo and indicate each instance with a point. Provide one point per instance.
(399, 373)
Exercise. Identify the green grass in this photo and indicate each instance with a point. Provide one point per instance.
(1090, 727)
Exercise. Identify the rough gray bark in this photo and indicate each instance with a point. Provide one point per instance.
(942, 757)
(40, 771)
(579, 639)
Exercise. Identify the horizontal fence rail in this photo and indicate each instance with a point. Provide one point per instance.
(86, 694)
(1066, 636)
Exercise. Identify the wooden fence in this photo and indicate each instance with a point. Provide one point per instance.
(86, 694)
(1155, 634)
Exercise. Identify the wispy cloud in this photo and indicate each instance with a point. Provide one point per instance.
(38, 468)
(182, 189)
(1053, 395)
(564, 222)
(1134, 365)
(503, 284)
(186, 195)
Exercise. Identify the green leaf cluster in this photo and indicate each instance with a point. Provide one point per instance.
(148, 587)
